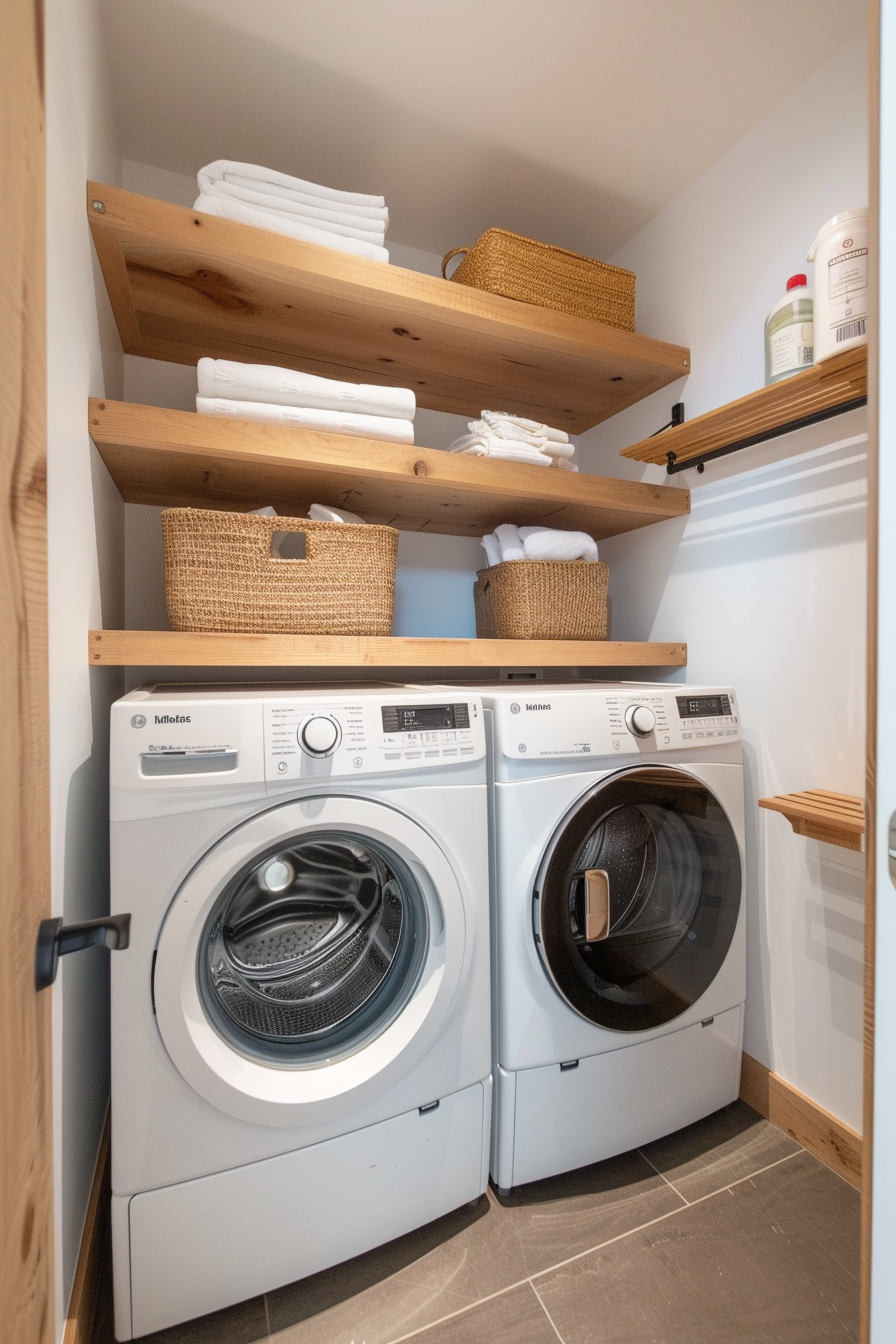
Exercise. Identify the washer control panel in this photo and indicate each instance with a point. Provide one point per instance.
(354, 737)
(613, 721)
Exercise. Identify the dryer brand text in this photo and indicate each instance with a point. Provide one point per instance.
(173, 718)
(537, 706)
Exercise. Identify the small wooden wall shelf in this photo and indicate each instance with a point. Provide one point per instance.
(181, 458)
(185, 284)
(838, 818)
(166, 648)
(827, 389)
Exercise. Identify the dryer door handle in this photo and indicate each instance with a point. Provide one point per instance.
(597, 904)
(55, 940)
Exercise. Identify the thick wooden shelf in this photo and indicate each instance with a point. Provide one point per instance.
(185, 284)
(838, 818)
(181, 458)
(165, 648)
(812, 395)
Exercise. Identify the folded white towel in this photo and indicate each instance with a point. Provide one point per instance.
(215, 172)
(332, 422)
(511, 543)
(501, 419)
(551, 543)
(482, 445)
(284, 387)
(291, 203)
(331, 221)
(241, 213)
(504, 434)
(278, 192)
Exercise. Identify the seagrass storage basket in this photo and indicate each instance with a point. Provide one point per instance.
(220, 575)
(551, 277)
(542, 599)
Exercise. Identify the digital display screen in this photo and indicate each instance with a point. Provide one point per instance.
(703, 706)
(424, 718)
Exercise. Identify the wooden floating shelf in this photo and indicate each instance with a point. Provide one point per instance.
(165, 648)
(181, 458)
(185, 284)
(817, 393)
(838, 818)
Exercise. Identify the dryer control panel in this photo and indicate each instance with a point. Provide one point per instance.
(613, 721)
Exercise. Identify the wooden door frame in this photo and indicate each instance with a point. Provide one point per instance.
(26, 1126)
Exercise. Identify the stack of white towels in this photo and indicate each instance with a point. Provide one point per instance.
(283, 397)
(537, 543)
(265, 199)
(516, 439)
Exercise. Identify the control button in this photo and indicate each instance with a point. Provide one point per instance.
(640, 720)
(319, 735)
(282, 767)
(357, 762)
(413, 755)
(392, 755)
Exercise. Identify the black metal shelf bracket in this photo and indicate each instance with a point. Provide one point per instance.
(673, 465)
(55, 940)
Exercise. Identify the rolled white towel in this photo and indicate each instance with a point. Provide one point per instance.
(285, 387)
(332, 422)
(224, 168)
(510, 542)
(492, 548)
(500, 420)
(551, 543)
(241, 213)
(320, 215)
(565, 466)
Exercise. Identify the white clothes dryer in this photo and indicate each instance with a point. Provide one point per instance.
(301, 1040)
(618, 922)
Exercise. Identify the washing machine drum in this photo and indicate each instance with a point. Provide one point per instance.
(312, 947)
(639, 898)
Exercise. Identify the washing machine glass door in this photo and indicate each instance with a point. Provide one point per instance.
(638, 898)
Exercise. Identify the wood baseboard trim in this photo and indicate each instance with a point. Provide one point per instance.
(822, 1134)
(79, 1319)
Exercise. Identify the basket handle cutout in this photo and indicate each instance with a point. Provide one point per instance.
(455, 251)
(291, 543)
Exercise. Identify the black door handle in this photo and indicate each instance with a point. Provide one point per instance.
(55, 940)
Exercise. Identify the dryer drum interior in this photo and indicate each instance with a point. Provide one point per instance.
(313, 948)
(639, 899)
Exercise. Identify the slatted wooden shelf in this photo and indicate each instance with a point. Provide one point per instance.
(838, 818)
(181, 458)
(165, 648)
(812, 395)
(185, 284)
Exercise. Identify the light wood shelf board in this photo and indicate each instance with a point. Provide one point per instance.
(834, 383)
(166, 648)
(185, 284)
(820, 814)
(179, 458)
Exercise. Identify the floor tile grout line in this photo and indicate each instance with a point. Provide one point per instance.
(546, 1312)
(561, 1264)
(661, 1175)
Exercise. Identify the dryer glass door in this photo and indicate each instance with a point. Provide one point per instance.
(312, 948)
(638, 898)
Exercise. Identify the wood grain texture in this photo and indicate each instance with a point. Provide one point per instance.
(79, 1321)
(832, 1142)
(837, 380)
(185, 284)
(179, 458)
(26, 1227)
(819, 814)
(166, 648)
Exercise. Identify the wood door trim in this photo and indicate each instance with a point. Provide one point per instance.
(79, 1321)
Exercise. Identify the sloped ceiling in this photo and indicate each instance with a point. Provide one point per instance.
(574, 121)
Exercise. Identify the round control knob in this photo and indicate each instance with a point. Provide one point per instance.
(319, 735)
(640, 720)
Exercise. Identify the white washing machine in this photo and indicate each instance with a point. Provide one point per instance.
(618, 921)
(301, 1039)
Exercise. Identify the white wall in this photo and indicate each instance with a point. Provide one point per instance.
(766, 580)
(86, 525)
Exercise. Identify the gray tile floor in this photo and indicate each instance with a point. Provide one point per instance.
(724, 1233)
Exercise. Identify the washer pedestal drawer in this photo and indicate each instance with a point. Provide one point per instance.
(192, 1248)
(563, 1118)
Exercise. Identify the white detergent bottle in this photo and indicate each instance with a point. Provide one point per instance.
(840, 253)
(789, 332)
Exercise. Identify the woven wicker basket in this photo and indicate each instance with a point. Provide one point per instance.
(220, 575)
(551, 277)
(542, 599)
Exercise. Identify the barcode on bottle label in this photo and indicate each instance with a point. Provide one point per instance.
(851, 329)
(806, 354)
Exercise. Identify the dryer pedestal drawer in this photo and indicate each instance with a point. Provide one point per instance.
(568, 1116)
(202, 1245)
